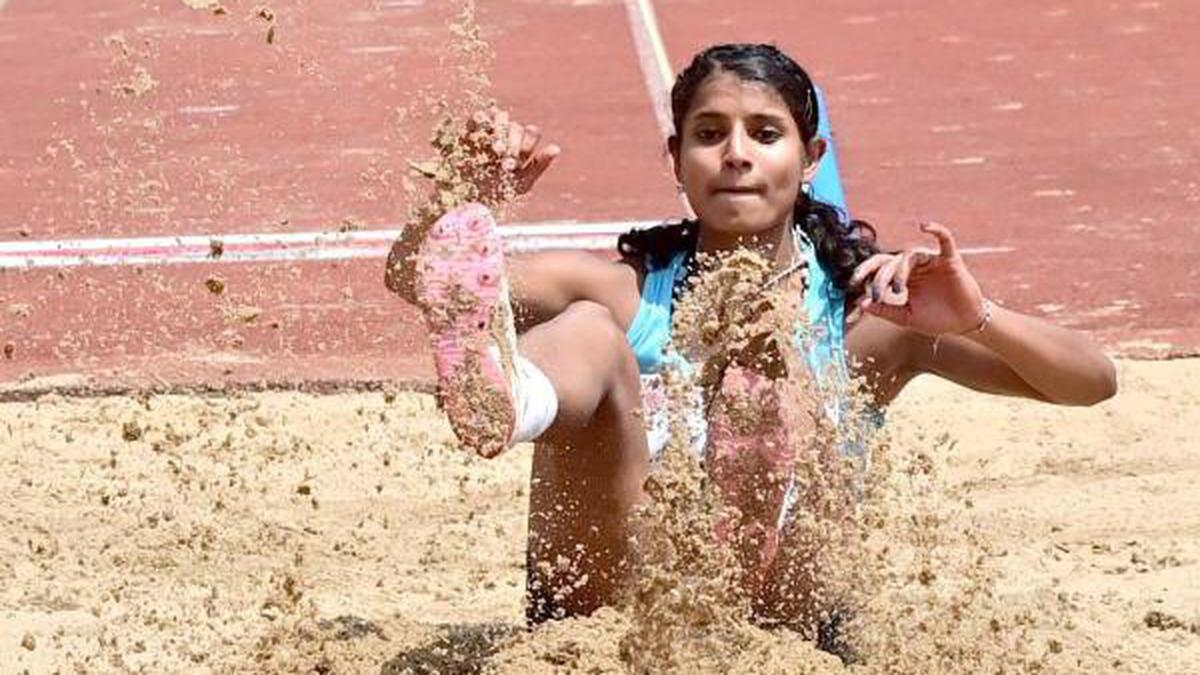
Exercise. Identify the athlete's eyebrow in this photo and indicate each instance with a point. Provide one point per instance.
(769, 118)
(709, 115)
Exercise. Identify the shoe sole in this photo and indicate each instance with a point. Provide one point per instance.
(464, 295)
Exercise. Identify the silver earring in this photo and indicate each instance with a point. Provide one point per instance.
(806, 187)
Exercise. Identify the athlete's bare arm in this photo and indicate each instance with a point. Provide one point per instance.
(915, 296)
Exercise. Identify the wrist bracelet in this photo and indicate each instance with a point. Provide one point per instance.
(983, 323)
(983, 320)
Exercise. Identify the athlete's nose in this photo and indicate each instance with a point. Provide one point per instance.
(737, 151)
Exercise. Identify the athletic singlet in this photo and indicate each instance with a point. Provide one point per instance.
(824, 304)
(822, 342)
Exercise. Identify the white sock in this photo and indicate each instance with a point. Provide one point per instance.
(535, 400)
(535, 403)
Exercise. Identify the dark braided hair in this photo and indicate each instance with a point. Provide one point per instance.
(840, 243)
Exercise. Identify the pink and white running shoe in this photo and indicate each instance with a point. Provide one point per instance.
(463, 293)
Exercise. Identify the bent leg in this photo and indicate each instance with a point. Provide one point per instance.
(588, 468)
(591, 458)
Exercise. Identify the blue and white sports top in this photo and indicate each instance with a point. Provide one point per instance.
(824, 304)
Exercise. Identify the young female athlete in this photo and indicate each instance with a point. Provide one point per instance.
(746, 151)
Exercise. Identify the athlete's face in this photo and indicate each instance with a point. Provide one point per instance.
(740, 157)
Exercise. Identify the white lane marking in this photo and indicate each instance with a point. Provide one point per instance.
(367, 152)
(207, 109)
(287, 246)
(984, 250)
(375, 49)
(652, 55)
(656, 71)
(297, 246)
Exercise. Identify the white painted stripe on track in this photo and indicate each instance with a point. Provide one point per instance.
(287, 246)
(565, 228)
(207, 109)
(305, 246)
(656, 71)
(652, 55)
(279, 255)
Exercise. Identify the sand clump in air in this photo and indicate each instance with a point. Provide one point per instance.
(466, 165)
(138, 81)
(260, 13)
(267, 16)
(119, 173)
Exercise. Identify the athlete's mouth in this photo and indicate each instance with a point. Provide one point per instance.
(738, 190)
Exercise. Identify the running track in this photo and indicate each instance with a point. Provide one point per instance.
(1056, 139)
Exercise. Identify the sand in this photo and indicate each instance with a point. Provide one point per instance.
(286, 532)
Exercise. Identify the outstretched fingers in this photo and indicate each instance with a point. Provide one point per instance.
(500, 132)
(947, 248)
(888, 297)
(512, 148)
(914, 260)
(517, 147)
(868, 267)
(530, 137)
(863, 277)
(541, 160)
(889, 285)
(884, 279)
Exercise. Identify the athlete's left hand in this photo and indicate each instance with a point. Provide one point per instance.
(931, 292)
(517, 149)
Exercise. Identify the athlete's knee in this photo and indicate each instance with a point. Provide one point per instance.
(597, 316)
(602, 336)
(592, 366)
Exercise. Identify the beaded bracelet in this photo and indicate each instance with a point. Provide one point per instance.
(983, 323)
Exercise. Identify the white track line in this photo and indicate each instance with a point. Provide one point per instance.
(652, 55)
(300, 246)
(656, 71)
(287, 246)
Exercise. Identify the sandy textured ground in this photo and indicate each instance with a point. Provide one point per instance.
(287, 532)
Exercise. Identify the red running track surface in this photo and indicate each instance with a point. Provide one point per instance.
(1055, 136)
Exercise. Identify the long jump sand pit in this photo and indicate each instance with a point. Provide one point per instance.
(287, 532)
